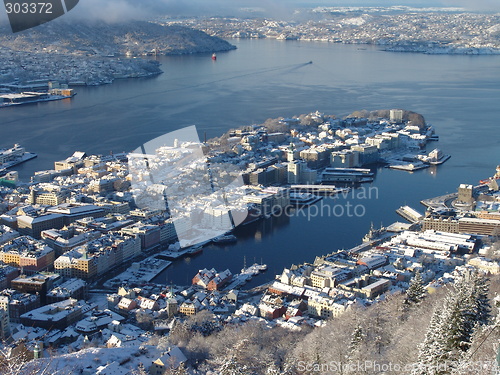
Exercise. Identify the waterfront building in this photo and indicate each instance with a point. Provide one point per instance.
(298, 173)
(97, 256)
(344, 159)
(368, 154)
(471, 225)
(441, 223)
(149, 235)
(72, 163)
(315, 156)
(167, 232)
(465, 194)
(211, 279)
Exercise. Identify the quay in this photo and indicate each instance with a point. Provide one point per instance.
(410, 214)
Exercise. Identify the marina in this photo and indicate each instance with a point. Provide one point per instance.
(245, 276)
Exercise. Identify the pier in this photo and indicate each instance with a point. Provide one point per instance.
(410, 214)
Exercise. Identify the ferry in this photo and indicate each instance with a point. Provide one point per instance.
(227, 238)
(13, 156)
(194, 250)
(350, 175)
(214, 56)
(30, 97)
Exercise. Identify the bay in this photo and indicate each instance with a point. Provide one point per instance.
(263, 79)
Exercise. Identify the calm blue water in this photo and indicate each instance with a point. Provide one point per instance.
(263, 79)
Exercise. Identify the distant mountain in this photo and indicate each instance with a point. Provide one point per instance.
(103, 39)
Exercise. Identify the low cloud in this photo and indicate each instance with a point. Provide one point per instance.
(123, 10)
(475, 5)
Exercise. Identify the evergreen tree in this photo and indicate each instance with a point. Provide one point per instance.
(356, 340)
(416, 291)
(482, 302)
(451, 328)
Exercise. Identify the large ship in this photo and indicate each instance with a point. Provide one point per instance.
(30, 97)
(13, 156)
(346, 175)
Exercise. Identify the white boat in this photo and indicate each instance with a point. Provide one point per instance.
(227, 238)
(13, 156)
(303, 198)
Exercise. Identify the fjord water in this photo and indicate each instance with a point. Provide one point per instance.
(263, 79)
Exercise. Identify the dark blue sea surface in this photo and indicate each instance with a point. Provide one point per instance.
(264, 79)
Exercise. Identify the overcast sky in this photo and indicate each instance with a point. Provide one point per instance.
(117, 10)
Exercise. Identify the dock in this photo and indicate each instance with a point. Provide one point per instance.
(409, 167)
(410, 214)
(171, 255)
(245, 276)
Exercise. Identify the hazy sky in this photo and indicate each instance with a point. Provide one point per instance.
(116, 10)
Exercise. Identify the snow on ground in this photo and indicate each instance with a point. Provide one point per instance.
(88, 360)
